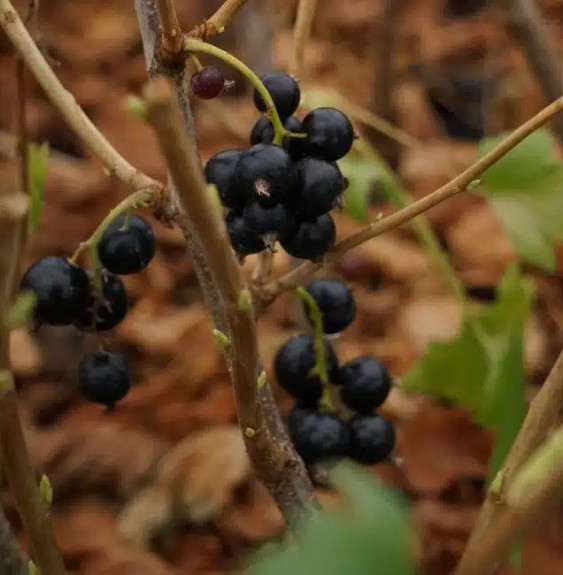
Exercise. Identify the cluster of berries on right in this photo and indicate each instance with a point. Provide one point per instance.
(362, 385)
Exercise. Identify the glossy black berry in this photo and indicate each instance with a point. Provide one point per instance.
(266, 174)
(311, 239)
(373, 438)
(61, 288)
(317, 436)
(208, 83)
(127, 245)
(319, 184)
(263, 133)
(220, 170)
(293, 364)
(285, 92)
(365, 384)
(110, 310)
(244, 241)
(330, 134)
(278, 220)
(104, 377)
(336, 303)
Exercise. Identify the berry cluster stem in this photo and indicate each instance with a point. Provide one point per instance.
(192, 45)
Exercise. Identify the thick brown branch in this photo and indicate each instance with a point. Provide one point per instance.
(12, 559)
(216, 24)
(301, 33)
(170, 27)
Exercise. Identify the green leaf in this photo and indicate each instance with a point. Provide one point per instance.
(361, 176)
(372, 535)
(482, 369)
(22, 309)
(524, 188)
(37, 157)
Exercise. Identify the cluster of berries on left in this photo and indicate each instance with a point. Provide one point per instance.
(66, 294)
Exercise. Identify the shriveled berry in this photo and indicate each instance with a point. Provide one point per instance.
(319, 184)
(263, 133)
(293, 364)
(318, 436)
(112, 308)
(278, 220)
(266, 174)
(365, 384)
(104, 377)
(220, 170)
(127, 246)
(311, 239)
(285, 93)
(330, 134)
(208, 83)
(336, 303)
(372, 438)
(244, 241)
(61, 289)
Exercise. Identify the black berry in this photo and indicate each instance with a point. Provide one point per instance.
(263, 133)
(208, 83)
(110, 310)
(61, 288)
(336, 303)
(365, 384)
(244, 241)
(373, 438)
(266, 174)
(317, 435)
(319, 184)
(285, 93)
(104, 377)
(293, 364)
(220, 170)
(278, 220)
(127, 245)
(311, 239)
(330, 134)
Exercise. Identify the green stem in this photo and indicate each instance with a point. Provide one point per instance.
(194, 45)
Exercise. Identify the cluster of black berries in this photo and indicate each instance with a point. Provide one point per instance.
(364, 384)
(65, 295)
(284, 193)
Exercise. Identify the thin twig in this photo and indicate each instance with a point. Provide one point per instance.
(301, 33)
(12, 559)
(528, 28)
(216, 24)
(170, 27)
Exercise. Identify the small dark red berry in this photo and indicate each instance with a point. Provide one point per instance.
(208, 83)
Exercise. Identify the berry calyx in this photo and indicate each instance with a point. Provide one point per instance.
(104, 377)
(293, 364)
(127, 246)
(263, 133)
(220, 170)
(266, 174)
(278, 220)
(285, 93)
(110, 311)
(62, 290)
(336, 303)
(365, 384)
(372, 438)
(318, 436)
(330, 134)
(244, 241)
(311, 239)
(319, 184)
(208, 83)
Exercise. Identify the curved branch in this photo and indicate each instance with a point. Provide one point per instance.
(216, 24)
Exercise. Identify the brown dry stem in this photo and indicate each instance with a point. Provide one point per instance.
(216, 24)
(301, 33)
(170, 27)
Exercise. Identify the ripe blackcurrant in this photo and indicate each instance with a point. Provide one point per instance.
(127, 245)
(365, 384)
(266, 174)
(208, 83)
(62, 290)
(244, 241)
(104, 377)
(317, 435)
(373, 438)
(330, 134)
(293, 364)
(278, 220)
(263, 133)
(285, 92)
(335, 301)
(110, 310)
(319, 184)
(220, 170)
(311, 239)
